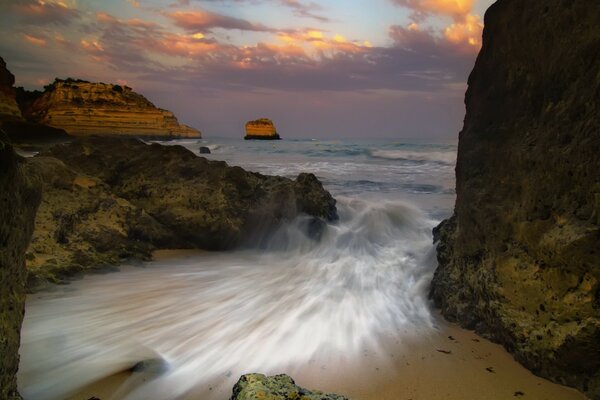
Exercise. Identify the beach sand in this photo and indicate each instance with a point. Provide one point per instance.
(450, 363)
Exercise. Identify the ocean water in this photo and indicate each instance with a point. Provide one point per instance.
(290, 306)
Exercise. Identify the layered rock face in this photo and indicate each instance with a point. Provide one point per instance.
(261, 129)
(278, 387)
(85, 108)
(520, 258)
(106, 199)
(8, 103)
(19, 198)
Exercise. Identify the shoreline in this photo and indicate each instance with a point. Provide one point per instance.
(450, 363)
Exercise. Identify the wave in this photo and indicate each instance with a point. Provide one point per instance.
(442, 157)
(294, 301)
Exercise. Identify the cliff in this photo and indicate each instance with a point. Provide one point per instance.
(19, 198)
(519, 260)
(261, 129)
(8, 103)
(108, 199)
(85, 108)
(12, 122)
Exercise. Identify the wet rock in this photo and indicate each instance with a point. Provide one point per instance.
(278, 387)
(518, 260)
(19, 199)
(204, 150)
(109, 199)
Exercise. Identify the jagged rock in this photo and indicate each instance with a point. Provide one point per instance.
(261, 129)
(278, 387)
(8, 103)
(85, 108)
(519, 261)
(106, 199)
(19, 197)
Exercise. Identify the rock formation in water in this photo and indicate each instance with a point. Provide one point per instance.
(19, 197)
(278, 387)
(107, 199)
(11, 119)
(261, 129)
(519, 260)
(86, 108)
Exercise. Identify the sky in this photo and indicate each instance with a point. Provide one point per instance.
(318, 69)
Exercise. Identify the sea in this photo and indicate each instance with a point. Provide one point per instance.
(193, 323)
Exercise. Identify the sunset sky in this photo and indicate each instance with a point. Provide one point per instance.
(331, 68)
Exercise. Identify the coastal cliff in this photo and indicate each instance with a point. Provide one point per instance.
(109, 199)
(8, 103)
(519, 260)
(19, 197)
(85, 108)
(261, 129)
(12, 122)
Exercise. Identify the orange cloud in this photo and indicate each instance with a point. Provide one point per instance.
(454, 8)
(467, 32)
(37, 41)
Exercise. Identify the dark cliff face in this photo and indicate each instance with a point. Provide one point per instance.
(19, 199)
(520, 258)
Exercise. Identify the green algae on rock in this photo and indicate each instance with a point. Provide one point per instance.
(278, 387)
(19, 197)
(519, 260)
(111, 198)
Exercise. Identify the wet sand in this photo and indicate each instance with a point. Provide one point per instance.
(451, 363)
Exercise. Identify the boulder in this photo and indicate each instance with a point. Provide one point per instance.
(204, 150)
(278, 387)
(519, 260)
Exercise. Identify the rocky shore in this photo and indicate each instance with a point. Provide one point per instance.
(19, 197)
(278, 387)
(110, 199)
(518, 260)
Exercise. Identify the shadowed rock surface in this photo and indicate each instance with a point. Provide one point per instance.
(278, 387)
(12, 122)
(19, 199)
(519, 260)
(108, 199)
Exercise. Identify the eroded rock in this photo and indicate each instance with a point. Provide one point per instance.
(277, 387)
(519, 260)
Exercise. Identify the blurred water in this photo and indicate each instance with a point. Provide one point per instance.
(293, 303)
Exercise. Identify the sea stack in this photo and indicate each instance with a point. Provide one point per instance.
(261, 129)
(519, 261)
(85, 108)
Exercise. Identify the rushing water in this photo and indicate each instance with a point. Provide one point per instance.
(290, 306)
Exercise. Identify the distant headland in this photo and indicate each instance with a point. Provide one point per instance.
(261, 129)
(77, 107)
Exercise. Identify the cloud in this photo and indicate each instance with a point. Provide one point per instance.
(42, 12)
(469, 31)
(457, 9)
(200, 20)
(35, 40)
(305, 10)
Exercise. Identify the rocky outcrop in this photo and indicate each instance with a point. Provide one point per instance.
(107, 199)
(278, 387)
(8, 103)
(261, 129)
(519, 260)
(19, 197)
(86, 108)
(12, 122)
